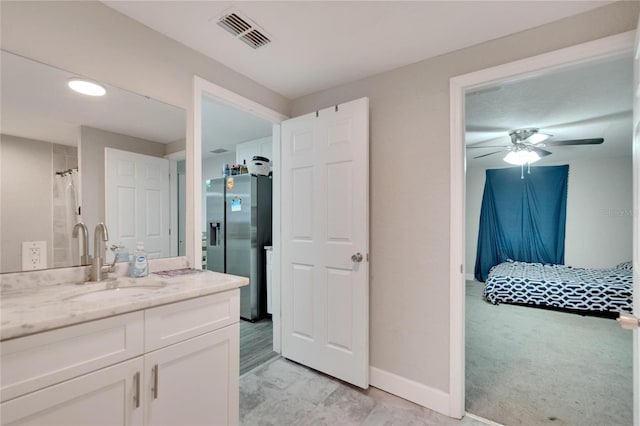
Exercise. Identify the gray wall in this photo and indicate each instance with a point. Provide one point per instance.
(410, 186)
(91, 152)
(27, 170)
(599, 222)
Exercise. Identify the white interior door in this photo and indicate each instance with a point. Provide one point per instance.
(137, 201)
(325, 241)
(636, 227)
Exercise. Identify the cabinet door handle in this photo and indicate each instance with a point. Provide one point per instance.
(154, 389)
(136, 395)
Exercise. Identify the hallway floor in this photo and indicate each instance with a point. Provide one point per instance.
(256, 344)
(282, 393)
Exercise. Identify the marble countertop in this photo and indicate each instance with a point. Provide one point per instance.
(28, 309)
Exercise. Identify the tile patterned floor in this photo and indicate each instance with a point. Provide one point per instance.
(282, 393)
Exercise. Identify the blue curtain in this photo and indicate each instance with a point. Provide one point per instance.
(522, 219)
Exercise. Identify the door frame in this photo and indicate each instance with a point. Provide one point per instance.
(173, 191)
(203, 87)
(604, 48)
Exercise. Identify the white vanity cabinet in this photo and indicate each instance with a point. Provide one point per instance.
(171, 364)
(192, 362)
(202, 366)
(104, 397)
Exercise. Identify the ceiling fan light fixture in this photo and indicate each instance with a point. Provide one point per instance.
(519, 158)
(528, 136)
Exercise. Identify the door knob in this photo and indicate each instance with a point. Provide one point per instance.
(356, 257)
(628, 321)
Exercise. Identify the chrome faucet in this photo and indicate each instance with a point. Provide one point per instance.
(98, 269)
(81, 229)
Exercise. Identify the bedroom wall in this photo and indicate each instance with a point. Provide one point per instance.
(409, 128)
(599, 204)
(599, 222)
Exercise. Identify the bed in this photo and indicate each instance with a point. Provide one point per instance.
(607, 290)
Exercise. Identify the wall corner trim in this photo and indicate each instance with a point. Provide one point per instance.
(419, 393)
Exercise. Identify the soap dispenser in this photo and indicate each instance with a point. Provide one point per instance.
(140, 262)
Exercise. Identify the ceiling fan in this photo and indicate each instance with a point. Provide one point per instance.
(526, 146)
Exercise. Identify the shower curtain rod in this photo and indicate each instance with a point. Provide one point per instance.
(66, 172)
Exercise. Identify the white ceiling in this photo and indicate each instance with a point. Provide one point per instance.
(37, 104)
(321, 44)
(589, 101)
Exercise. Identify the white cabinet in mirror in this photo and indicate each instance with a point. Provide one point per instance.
(53, 173)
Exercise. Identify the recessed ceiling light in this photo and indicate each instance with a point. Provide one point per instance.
(86, 87)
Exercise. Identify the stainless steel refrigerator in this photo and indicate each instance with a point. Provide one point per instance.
(238, 228)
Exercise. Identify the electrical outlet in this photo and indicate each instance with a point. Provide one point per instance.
(34, 255)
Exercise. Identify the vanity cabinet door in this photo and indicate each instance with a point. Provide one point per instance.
(194, 382)
(105, 397)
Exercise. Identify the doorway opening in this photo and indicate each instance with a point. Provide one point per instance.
(479, 82)
(238, 208)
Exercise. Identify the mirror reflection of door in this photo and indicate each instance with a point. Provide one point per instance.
(140, 184)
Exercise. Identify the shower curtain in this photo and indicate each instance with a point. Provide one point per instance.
(65, 216)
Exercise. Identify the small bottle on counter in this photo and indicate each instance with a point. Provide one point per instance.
(122, 254)
(140, 262)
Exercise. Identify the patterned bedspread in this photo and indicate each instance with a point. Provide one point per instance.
(560, 286)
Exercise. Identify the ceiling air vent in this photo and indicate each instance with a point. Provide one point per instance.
(244, 29)
(219, 151)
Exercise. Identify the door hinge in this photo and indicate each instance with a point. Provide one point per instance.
(461, 268)
(367, 257)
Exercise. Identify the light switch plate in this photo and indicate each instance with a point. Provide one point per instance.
(34, 255)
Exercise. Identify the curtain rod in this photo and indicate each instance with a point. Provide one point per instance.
(66, 172)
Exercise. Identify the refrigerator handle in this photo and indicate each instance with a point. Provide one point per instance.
(214, 234)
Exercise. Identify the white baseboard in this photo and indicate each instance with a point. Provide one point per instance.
(482, 420)
(469, 277)
(418, 393)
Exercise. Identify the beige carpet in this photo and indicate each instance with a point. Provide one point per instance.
(528, 366)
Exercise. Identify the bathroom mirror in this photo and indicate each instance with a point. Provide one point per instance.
(53, 166)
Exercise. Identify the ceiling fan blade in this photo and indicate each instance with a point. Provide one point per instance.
(485, 155)
(487, 146)
(594, 141)
(541, 152)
